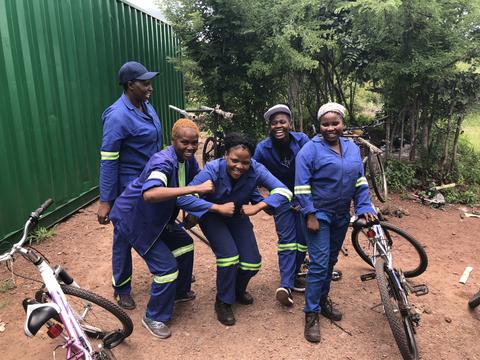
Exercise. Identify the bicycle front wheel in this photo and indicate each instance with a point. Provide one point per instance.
(400, 323)
(209, 150)
(98, 317)
(377, 175)
(408, 254)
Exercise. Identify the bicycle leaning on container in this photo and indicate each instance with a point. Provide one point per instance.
(79, 317)
(375, 242)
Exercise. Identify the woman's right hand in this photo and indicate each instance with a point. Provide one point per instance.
(206, 187)
(313, 225)
(103, 212)
(226, 209)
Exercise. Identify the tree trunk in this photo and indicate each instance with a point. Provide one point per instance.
(443, 165)
(458, 130)
(413, 133)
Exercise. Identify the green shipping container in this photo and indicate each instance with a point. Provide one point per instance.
(58, 69)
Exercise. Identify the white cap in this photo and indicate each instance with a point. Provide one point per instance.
(331, 107)
(279, 108)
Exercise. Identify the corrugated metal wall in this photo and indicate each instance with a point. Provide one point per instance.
(58, 72)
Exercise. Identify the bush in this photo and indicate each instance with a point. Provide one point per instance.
(400, 175)
(461, 196)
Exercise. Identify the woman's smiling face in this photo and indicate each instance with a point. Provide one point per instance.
(331, 127)
(238, 161)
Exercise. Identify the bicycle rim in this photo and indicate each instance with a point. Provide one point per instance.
(377, 176)
(408, 254)
(98, 317)
(400, 324)
(209, 150)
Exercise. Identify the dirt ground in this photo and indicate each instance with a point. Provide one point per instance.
(266, 330)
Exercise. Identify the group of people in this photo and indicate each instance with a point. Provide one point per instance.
(311, 185)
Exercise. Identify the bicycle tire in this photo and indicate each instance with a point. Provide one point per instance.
(474, 301)
(377, 176)
(209, 150)
(105, 321)
(399, 323)
(409, 255)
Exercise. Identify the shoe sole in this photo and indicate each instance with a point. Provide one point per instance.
(151, 332)
(184, 300)
(282, 297)
(300, 290)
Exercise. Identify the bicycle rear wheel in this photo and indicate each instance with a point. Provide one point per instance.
(98, 317)
(409, 254)
(399, 321)
(209, 150)
(474, 301)
(377, 175)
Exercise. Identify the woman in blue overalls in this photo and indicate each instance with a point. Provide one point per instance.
(232, 239)
(277, 153)
(145, 214)
(132, 133)
(329, 175)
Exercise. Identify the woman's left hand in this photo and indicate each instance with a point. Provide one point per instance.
(250, 210)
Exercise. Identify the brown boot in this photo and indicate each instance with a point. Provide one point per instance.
(312, 327)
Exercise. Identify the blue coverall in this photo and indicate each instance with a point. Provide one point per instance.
(151, 230)
(232, 239)
(130, 138)
(325, 185)
(288, 221)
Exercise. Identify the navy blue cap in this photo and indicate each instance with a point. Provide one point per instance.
(133, 70)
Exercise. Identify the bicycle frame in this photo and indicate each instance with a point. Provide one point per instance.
(76, 343)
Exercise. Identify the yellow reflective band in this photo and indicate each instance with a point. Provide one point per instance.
(195, 194)
(287, 247)
(165, 278)
(282, 191)
(302, 248)
(121, 284)
(302, 189)
(248, 266)
(361, 181)
(158, 175)
(182, 250)
(223, 262)
(105, 155)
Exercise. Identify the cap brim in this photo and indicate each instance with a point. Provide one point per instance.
(272, 112)
(147, 75)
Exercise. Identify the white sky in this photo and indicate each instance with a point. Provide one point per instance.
(147, 5)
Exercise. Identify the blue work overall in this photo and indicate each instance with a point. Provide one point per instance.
(130, 138)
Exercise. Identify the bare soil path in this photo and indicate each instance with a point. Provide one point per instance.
(266, 330)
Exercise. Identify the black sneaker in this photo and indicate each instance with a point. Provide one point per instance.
(327, 309)
(284, 296)
(224, 313)
(125, 301)
(189, 296)
(299, 284)
(312, 327)
(245, 298)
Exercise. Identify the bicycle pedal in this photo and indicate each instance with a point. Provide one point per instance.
(366, 277)
(420, 290)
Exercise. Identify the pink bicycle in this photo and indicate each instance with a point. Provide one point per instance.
(88, 324)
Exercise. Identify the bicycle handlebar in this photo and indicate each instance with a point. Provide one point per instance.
(32, 221)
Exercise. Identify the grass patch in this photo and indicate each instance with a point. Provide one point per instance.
(41, 234)
(6, 285)
(471, 128)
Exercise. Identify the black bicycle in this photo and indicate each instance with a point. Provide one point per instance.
(214, 147)
(474, 301)
(391, 281)
(373, 158)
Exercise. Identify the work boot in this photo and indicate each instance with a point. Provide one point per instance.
(328, 310)
(125, 301)
(224, 313)
(189, 296)
(245, 298)
(156, 328)
(284, 296)
(312, 327)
